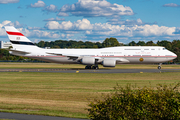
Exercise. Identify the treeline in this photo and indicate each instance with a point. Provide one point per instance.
(173, 46)
(108, 42)
(5, 56)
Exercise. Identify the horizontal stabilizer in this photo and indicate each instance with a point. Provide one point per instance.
(19, 52)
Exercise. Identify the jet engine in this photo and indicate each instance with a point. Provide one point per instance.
(109, 63)
(88, 61)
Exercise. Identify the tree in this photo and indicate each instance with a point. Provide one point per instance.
(99, 44)
(132, 43)
(141, 43)
(165, 44)
(135, 103)
(110, 42)
(41, 44)
(150, 43)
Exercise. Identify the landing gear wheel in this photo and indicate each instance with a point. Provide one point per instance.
(159, 67)
(95, 67)
(88, 67)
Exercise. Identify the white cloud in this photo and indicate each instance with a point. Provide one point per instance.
(143, 30)
(115, 21)
(66, 25)
(83, 24)
(62, 14)
(8, 1)
(38, 33)
(15, 24)
(154, 30)
(2, 30)
(96, 31)
(54, 19)
(171, 5)
(38, 4)
(51, 8)
(94, 8)
(69, 35)
(35, 28)
(105, 29)
(34, 32)
(36, 40)
(177, 30)
(63, 35)
(7, 23)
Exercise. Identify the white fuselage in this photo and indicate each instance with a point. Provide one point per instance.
(123, 54)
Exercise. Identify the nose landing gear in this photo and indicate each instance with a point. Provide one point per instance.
(159, 67)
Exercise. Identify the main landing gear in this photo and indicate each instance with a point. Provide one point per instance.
(159, 66)
(91, 67)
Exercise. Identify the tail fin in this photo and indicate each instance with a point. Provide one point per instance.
(16, 38)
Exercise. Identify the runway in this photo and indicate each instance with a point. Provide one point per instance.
(92, 70)
(16, 116)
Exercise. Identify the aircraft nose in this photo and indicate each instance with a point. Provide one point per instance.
(174, 55)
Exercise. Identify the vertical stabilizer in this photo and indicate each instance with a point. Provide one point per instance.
(17, 39)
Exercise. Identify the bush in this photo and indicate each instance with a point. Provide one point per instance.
(162, 102)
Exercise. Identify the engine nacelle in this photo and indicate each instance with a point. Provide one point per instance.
(88, 61)
(109, 63)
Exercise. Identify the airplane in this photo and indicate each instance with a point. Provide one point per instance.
(108, 57)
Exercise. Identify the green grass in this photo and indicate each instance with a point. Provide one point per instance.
(66, 94)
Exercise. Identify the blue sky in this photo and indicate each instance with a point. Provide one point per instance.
(92, 20)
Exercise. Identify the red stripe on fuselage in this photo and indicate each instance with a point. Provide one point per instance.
(116, 56)
(15, 33)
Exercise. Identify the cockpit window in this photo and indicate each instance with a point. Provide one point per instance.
(164, 48)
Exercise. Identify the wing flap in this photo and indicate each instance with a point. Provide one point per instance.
(67, 55)
(122, 60)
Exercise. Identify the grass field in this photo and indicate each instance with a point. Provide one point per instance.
(66, 94)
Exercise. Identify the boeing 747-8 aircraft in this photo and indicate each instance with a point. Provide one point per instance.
(108, 57)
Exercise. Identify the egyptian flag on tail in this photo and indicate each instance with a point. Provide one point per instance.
(16, 37)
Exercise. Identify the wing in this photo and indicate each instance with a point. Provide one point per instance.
(98, 59)
(70, 56)
(67, 55)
